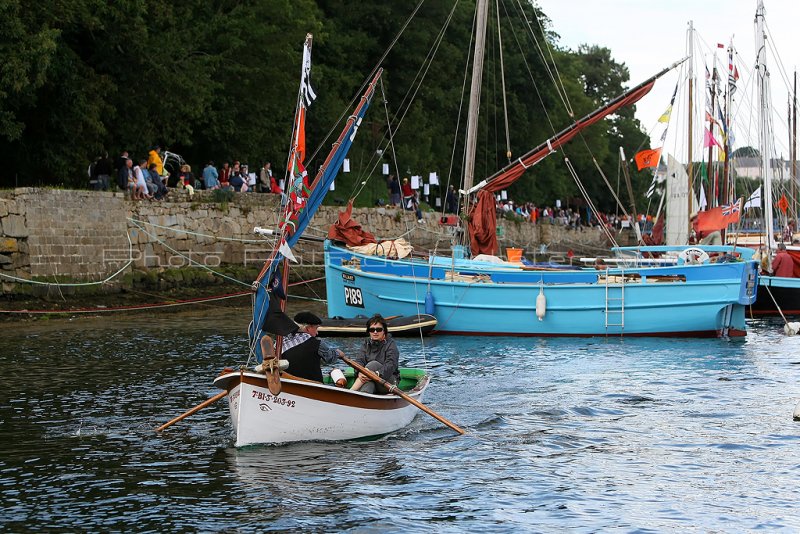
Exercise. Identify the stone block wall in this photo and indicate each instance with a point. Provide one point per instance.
(58, 235)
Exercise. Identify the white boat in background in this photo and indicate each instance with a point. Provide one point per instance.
(313, 411)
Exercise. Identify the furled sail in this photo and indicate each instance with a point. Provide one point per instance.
(482, 221)
(315, 192)
(677, 202)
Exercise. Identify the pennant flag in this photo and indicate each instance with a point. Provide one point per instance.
(783, 204)
(665, 116)
(719, 217)
(286, 251)
(733, 73)
(755, 199)
(703, 201)
(647, 158)
(709, 141)
(307, 94)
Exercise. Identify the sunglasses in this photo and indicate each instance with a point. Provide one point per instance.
(376, 329)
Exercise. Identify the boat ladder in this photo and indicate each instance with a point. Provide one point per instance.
(615, 302)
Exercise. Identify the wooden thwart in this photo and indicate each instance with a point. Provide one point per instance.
(393, 389)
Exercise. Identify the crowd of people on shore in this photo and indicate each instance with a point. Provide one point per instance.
(403, 195)
(149, 180)
(569, 217)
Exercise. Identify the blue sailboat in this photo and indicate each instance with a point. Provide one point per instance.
(698, 297)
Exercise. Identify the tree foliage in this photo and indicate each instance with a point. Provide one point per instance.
(217, 79)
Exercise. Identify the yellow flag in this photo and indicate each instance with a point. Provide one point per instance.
(665, 116)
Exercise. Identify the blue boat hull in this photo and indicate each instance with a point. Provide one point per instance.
(776, 292)
(697, 300)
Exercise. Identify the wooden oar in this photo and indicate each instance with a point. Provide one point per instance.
(396, 391)
(197, 408)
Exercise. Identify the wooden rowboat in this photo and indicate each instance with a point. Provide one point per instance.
(399, 326)
(312, 411)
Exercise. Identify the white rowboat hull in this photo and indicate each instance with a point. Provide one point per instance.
(311, 411)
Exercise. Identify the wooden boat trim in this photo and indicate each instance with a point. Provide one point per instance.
(323, 392)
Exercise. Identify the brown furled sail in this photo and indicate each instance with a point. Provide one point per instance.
(482, 220)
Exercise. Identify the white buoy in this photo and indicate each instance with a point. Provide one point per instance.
(796, 414)
(791, 329)
(541, 304)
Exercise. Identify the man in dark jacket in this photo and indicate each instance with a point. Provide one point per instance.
(304, 350)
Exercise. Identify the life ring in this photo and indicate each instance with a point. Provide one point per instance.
(693, 256)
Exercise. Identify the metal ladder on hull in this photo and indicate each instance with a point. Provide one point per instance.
(615, 295)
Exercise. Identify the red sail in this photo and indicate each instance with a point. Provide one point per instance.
(482, 216)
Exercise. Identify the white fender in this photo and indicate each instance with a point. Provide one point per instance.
(791, 329)
(541, 304)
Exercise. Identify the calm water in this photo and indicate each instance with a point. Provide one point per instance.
(584, 435)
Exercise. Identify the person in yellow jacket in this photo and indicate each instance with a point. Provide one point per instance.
(154, 156)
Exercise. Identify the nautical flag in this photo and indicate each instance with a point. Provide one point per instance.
(307, 93)
(719, 217)
(665, 116)
(647, 158)
(755, 199)
(731, 209)
(709, 141)
(783, 204)
(298, 189)
(703, 201)
(733, 73)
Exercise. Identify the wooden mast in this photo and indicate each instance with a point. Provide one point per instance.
(475, 93)
(764, 130)
(712, 185)
(793, 172)
(690, 168)
(727, 186)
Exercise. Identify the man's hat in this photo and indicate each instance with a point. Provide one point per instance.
(307, 318)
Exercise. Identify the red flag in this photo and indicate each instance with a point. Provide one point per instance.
(719, 217)
(647, 158)
(783, 204)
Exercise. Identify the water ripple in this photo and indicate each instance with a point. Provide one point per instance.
(640, 435)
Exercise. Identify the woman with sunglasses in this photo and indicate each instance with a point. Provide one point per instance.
(379, 354)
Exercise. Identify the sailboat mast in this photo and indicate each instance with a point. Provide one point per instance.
(690, 168)
(793, 173)
(764, 121)
(475, 93)
(727, 186)
(712, 183)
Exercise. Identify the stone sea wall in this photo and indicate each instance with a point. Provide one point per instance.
(68, 236)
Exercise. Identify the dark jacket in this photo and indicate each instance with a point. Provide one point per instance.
(385, 353)
(304, 360)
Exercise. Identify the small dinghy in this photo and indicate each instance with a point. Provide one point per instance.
(314, 411)
(399, 326)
